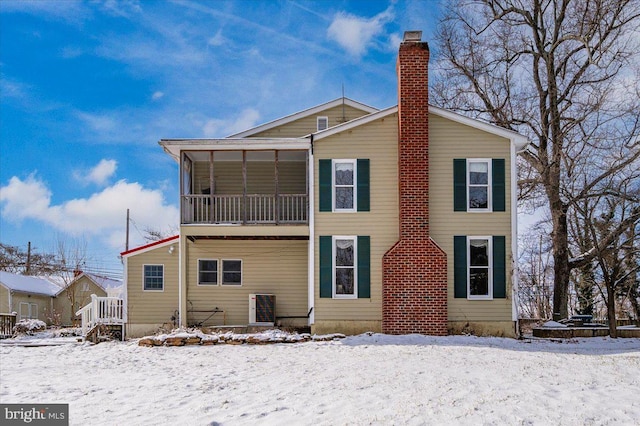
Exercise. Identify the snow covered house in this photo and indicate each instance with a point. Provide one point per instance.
(50, 299)
(28, 296)
(78, 294)
(344, 218)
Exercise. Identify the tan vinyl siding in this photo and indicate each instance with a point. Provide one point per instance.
(376, 141)
(449, 140)
(260, 177)
(152, 307)
(268, 266)
(4, 300)
(76, 294)
(43, 302)
(307, 125)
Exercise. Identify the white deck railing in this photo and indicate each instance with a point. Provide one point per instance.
(101, 310)
(245, 209)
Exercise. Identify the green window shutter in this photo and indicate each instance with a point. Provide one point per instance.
(364, 267)
(460, 266)
(459, 185)
(324, 176)
(363, 185)
(497, 181)
(499, 267)
(326, 267)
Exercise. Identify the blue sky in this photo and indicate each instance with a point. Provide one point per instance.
(88, 88)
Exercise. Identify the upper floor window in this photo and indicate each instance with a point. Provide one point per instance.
(344, 188)
(322, 123)
(153, 277)
(479, 185)
(343, 185)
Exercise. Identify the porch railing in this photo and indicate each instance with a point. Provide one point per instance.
(249, 209)
(7, 322)
(101, 310)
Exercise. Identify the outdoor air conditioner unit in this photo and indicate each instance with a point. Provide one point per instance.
(262, 309)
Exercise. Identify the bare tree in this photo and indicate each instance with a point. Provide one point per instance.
(613, 262)
(563, 72)
(535, 277)
(14, 259)
(71, 256)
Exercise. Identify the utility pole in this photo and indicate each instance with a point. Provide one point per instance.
(28, 267)
(126, 244)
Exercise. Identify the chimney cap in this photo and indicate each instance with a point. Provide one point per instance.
(412, 36)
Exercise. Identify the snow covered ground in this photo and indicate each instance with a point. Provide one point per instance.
(366, 379)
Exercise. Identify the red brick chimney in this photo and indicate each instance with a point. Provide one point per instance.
(414, 288)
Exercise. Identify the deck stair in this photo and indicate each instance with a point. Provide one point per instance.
(103, 319)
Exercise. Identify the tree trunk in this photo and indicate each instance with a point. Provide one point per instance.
(611, 310)
(561, 270)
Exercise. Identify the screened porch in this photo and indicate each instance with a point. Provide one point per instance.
(244, 187)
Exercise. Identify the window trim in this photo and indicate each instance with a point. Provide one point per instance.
(321, 117)
(29, 305)
(155, 290)
(489, 295)
(217, 283)
(489, 185)
(354, 239)
(354, 207)
(221, 278)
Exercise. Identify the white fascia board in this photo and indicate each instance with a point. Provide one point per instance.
(304, 113)
(174, 146)
(151, 246)
(516, 138)
(355, 123)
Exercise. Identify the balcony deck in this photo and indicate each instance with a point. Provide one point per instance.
(250, 209)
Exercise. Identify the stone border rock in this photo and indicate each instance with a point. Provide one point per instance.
(196, 337)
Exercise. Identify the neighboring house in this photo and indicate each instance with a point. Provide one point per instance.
(49, 299)
(343, 218)
(28, 296)
(78, 294)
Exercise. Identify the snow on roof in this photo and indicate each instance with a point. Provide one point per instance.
(28, 284)
(104, 282)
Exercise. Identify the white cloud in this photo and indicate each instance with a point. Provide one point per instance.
(218, 39)
(97, 122)
(99, 174)
(355, 33)
(100, 215)
(157, 95)
(219, 128)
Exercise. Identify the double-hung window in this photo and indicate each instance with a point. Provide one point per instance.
(479, 184)
(207, 272)
(344, 185)
(153, 277)
(479, 267)
(344, 267)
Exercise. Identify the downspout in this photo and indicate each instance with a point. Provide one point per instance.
(514, 237)
(311, 244)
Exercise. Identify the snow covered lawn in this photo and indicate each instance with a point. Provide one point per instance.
(366, 379)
